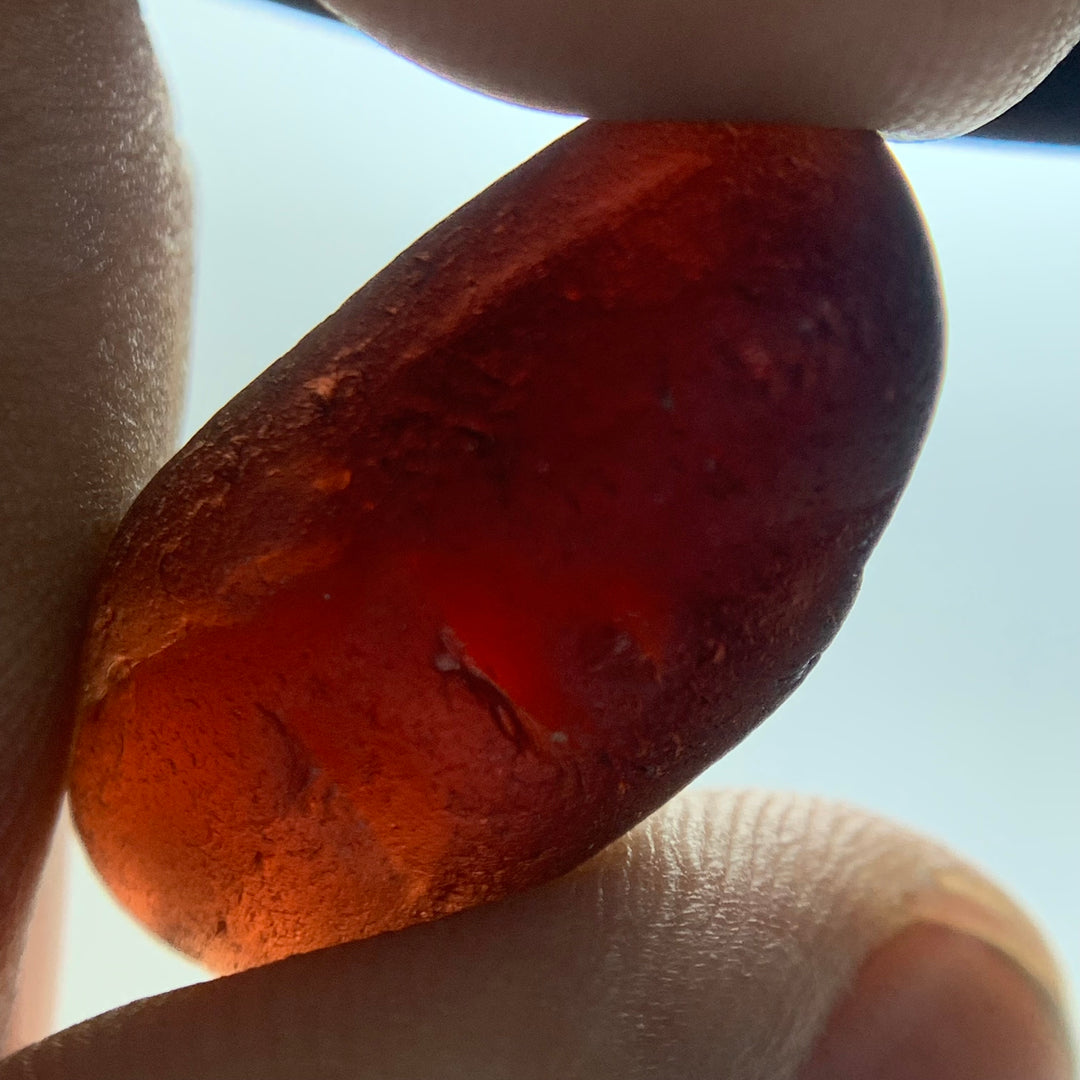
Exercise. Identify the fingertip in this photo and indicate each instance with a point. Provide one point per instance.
(921, 69)
(722, 937)
(94, 284)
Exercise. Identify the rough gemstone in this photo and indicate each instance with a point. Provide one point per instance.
(546, 518)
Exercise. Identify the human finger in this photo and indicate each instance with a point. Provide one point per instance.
(93, 309)
(921, 68)
(31, 1017)
(744, 935)
(1049, 114)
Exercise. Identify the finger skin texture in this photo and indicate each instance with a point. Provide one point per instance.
(920, 69)
(712, 941)
(94, 282)
(32, 1016)
(1051, 113)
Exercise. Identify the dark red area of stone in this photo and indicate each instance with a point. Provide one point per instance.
(541, 522)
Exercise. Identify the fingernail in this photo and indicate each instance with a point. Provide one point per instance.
(938, 1003)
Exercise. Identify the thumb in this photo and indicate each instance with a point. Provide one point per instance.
(746, 936)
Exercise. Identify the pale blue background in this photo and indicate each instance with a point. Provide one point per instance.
(950, 700)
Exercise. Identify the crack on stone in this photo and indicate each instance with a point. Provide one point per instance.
(452, 661)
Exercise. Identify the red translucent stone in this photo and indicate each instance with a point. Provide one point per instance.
(541, 522)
